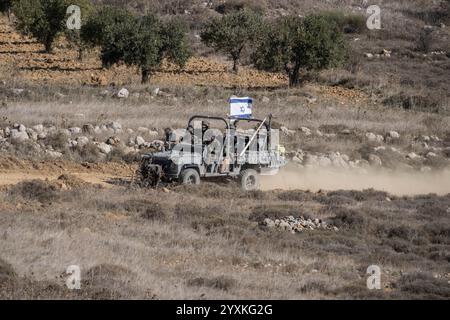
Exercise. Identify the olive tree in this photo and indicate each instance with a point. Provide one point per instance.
(144, 42)
(42, 19)
(232, 32)
(295, 45)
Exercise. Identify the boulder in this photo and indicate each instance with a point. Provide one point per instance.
(18, 136)
(104, 148)
(123, 93)
(82, 141)
(139, 141)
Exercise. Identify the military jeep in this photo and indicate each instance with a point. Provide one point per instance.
(227, 150)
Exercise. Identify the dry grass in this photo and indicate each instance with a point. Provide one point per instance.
(188, 244)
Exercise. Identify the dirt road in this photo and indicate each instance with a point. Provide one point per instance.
(13, 171)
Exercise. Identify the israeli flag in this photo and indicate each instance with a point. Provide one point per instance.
(241, 108)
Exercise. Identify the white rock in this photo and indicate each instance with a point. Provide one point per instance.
(53, 154)
(139, 141)
(115, 125)
(38, 128)
(75, 130)
(123, 93)
(82, 141)
(431, 155)
(306, 131)
(153, 134)
(42, 136)
(104, 148)
(18, 136)
(371, 136)
(394, 134)
(130, 131)
(22, 128)
(155, 92)
(265, 100)
(412, 156)
(269, 223)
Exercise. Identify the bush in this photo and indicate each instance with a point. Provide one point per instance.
(36, 190)
(428, 103)
(347, 22)
(230, 6)
(296, 45)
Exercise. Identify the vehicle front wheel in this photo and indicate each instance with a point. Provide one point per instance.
(190, 176)
(249, 180)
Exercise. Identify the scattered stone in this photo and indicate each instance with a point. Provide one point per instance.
(297, 224)
(265, 100)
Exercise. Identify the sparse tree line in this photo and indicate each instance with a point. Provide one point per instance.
(294, 45)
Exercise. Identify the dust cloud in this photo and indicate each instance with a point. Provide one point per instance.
(394, 182)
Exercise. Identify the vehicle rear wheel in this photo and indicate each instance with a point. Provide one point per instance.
(249, 180)
(190, 176)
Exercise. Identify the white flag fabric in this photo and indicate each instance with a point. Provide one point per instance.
(241, 108)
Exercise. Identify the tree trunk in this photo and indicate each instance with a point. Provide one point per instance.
(235, 65)
(80, 54)
(145, 76)
(294, 76)
(48, 46)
